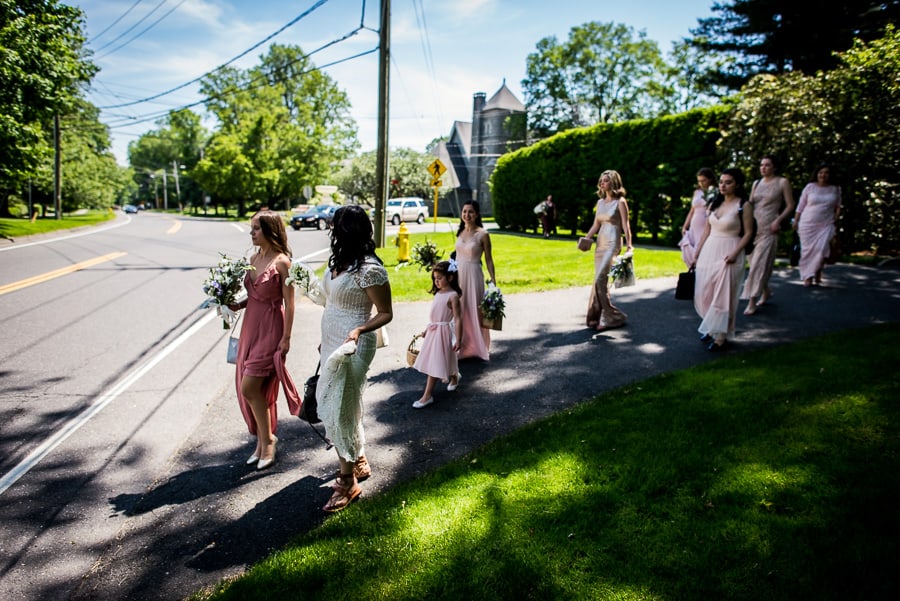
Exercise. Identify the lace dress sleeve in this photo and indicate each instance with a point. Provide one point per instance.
(371, 273)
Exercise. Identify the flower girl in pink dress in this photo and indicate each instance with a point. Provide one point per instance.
(437, 357)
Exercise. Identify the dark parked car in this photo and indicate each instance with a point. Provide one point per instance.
(319, 217)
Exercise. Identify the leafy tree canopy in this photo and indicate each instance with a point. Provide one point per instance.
(408, 175)
(773, 36)
(604, 72)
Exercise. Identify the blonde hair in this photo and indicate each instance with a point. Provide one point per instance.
(616, 189)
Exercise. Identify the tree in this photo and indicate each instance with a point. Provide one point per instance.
(178, 143)
(849, 117)
(604, 72)
(772, 36)
(407, 172)
(42, 63)
(283, 125)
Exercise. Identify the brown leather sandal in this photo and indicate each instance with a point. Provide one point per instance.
(361, 469)
(343, 494)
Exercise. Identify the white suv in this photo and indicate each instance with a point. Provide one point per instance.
(406, 209)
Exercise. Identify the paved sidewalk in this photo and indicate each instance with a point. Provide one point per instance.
(211, 516)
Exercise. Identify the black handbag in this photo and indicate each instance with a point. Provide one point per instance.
(309, 409)
(686, 282)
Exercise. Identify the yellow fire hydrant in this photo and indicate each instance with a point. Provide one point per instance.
(403, 244)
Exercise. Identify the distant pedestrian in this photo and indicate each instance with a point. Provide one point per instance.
(720, 260)
(773, 202)
(610, 224)
(695, 222)
(815, 222)
(437, 357)
(548, 217)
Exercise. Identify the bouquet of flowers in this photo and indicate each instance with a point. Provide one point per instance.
(302, 277)
(622, 270)
(493, 308)
(426, 254)
(224, 283)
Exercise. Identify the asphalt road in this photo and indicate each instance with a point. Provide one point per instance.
(202, 515)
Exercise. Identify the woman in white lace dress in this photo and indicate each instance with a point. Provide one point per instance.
(354, 282)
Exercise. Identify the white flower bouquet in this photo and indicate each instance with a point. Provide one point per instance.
(302, 277)
(622, 270)
(493, 308)
(223, 285)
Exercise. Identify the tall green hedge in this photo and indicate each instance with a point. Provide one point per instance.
(657, 159)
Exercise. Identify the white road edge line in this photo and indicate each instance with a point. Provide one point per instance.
(105, 399)
(69, 237)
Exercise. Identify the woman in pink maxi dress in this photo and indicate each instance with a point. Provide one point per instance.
(817, 213)
(695, 222)
(473, 241)
(266, 336)
(437, 357)
(768, 195)
(610, 222)
(720, 260)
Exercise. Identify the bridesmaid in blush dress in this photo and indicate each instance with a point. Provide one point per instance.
(767, 195)
(265, 336)
(720, 260)
(696, 218)
(817, 213)
(610, 222)
(473, 241)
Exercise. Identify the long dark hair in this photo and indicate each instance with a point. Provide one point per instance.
(452, 277)
(462, 225)
(272, 227)
(351, 239)
(739, 191)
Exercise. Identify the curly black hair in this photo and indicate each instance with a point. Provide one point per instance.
(351, 239)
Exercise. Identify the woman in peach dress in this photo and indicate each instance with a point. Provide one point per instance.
(473, 242)
(817, 213)
(610, 223)
(265, 336)
(696, 218)
(768, 195)
(720, 260)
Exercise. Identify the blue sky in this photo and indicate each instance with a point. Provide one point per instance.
(443, 51)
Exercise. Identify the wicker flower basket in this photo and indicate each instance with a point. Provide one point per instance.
(412, 351)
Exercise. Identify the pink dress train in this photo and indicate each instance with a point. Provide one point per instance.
(718, 282)
(436, 357)
(817, 207)
(258, 354)
(476, 341)
(690, 239)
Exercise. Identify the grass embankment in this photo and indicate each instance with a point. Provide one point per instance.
(19, 227)
(523, 264)
(766, 475)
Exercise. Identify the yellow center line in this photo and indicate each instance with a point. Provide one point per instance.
(175, 227)
(59, 272)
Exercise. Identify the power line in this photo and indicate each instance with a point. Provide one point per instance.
(113, 24)
(149, 27)
(127, 31)
(302, 15)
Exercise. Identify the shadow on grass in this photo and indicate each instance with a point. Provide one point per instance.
(768, 475)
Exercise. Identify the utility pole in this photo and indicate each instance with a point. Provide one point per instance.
(177, 188)
(381, 155)
(165, 191)
(57, 169)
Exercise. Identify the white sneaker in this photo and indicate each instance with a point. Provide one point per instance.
(451, 386)
(419, 404)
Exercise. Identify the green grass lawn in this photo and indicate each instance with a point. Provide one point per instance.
(766, 475)
(522, 264)
(19, 227)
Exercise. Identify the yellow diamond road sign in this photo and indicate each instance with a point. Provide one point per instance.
(436, 182)
(436, 169)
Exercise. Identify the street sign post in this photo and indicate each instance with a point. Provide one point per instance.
(436, 169)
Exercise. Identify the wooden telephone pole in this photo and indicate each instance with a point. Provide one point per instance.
(381, 155)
